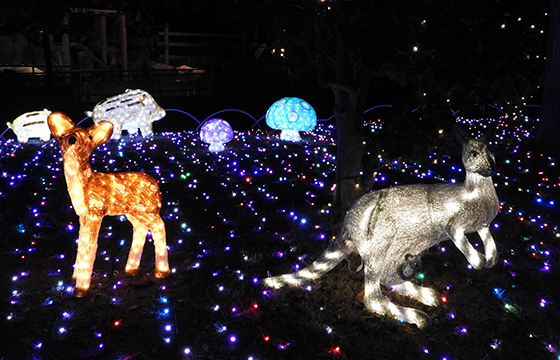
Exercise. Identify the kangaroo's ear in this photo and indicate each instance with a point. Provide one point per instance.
(59, 124)
(487, 136)
(101, 132)
(460, 134)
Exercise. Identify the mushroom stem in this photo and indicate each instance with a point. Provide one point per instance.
(290, 135)
(216, 147)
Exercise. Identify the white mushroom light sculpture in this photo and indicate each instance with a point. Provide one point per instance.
(216, 132)
(291, 115)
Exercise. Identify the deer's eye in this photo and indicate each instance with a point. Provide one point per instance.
(72, 140)
(474, 153)
(91, 137)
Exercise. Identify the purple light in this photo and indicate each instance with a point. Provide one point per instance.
(216, 132)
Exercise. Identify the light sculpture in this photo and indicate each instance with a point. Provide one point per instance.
(132, 110)
(216, 132)
(391, 228)
(31, 125)
(291, 115)
(94, 195)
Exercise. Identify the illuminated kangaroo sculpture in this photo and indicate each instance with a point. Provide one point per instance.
(391, 228)
(95, 195)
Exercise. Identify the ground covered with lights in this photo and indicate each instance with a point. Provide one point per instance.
(262, 207)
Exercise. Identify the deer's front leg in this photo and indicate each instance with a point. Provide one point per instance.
(87, 248)
(489, 247)
(476, 259)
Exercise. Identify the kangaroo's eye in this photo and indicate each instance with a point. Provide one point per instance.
(72, 140)
(474, 153)
(91, 137)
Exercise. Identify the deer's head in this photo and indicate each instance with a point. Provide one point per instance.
(476, 155)
(81, 140)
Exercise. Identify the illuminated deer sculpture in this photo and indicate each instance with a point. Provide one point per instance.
(95, 195)
(391, 228)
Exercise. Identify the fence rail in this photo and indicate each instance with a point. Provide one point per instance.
(95, 85)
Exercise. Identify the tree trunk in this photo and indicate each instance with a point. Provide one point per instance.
(548, 131)
(349, 152)
(350, 89)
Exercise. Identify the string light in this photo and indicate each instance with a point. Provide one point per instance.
(258, 198)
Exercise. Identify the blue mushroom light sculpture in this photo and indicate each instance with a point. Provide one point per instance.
(291, 115)
(216, 132)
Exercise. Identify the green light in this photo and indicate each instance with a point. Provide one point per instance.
(421, 276)
(510, 308)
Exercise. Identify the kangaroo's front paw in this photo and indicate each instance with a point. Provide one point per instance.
(491, 261)
(477, 260)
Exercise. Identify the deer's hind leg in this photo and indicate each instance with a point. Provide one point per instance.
(377, 303)
(138, 240)
(154, 223)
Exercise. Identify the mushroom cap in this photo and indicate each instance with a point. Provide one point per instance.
(291, 113)
(216, 131)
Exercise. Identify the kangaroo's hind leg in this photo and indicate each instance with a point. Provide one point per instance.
(156, 226)
(377, 303)
(138, 239)
(425, 295)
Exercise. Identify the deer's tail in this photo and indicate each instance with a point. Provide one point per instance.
(327, 261)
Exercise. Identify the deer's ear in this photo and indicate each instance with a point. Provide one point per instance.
(460, 134)
(101, 132)
(59, 124)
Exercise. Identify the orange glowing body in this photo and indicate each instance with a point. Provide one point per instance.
(94, 195)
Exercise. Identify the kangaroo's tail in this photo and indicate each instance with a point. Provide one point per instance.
(331, 257)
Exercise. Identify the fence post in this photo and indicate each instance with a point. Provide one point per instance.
(166, 44)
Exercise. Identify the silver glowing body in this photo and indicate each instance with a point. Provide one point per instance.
(391, 228)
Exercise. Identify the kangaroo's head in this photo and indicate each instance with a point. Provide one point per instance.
(83, 141)
(476, 155)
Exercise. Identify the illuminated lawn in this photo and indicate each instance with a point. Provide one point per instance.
(259, 208)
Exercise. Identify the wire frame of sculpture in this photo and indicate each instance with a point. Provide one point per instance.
(391, 228)
(95, 195)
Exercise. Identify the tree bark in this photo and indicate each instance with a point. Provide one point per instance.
(350, 90)
(548, 131)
